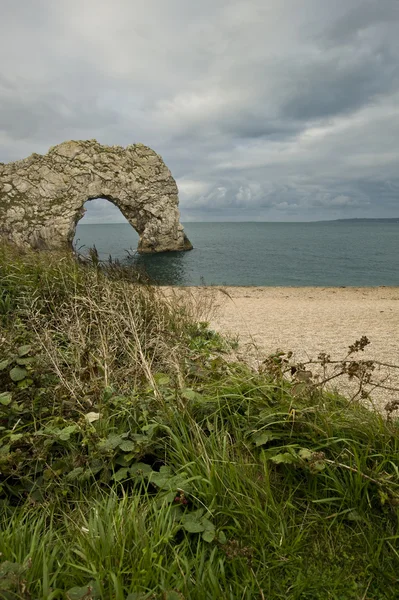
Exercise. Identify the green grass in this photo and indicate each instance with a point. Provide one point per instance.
(138, 461)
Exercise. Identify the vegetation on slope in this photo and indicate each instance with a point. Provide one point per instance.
(138, 461)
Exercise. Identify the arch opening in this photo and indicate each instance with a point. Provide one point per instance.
(103, 225)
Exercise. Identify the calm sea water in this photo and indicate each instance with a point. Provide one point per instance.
(334, 253)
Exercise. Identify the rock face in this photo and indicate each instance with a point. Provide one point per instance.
(42, 197)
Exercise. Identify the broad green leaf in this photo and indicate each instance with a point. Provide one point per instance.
(208, 525)
(285, 457)
(25, 383)
(139, 437)
(160, 479)
(305, 454)
(129, 456)
(209, 530)
(165, 470)
(189, 394)
(318, 465)
(121, 474)
(221, 537)
(169, 497)
(127, 446)
(5, 398)
(173, 596)
(120, 460)
(25, 360)
(96, 465)
(140, 469)
(65, 433)
(18, 374)
(14, 437)
(87, 592)
(24, 350)
(92, 416)
(161, 379)
(74, 474)
(150, 429)
(11, 568)
(353, 515)
(111, 442)
(264, 437)
(208, 536)
(192, 524)
(4, 364)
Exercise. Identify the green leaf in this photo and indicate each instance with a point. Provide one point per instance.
(161, 379)
(150, 429)
(14, 437)
(221, 537)
(165, 470)
(65, 433)
(26, 360)
(25, 383)
(285, 457)
(353, 515)
(169, 497)
(140, 469)
(139, 437)
(111, 442)
(24, 350)
(74, 474)
(88, 592)
(96, 465)
(92, 416)
(305, 454)
(4, 364)
(189, 394)
(264, 437)
(7, 567)
(173, 596)
(129, 457)
(192, 524)
(18, 373)
(318, 465)
(127, 446)
(209, 526)
(160, 479)
(5, 398)
(121, 474)
(208, 536)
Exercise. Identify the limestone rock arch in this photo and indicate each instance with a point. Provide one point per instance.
(42, 196)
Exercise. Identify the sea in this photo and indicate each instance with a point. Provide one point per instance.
(327, 253)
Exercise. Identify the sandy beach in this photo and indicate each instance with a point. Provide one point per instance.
(308, 321)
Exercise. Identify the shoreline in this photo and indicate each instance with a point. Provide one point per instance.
(308, 321)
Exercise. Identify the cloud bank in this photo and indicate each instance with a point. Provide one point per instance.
(262, 109)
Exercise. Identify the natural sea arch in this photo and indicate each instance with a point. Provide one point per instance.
(42, 197)
(100, 227)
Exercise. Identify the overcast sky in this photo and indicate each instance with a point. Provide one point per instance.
(278, 110)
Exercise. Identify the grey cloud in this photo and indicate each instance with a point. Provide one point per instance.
(362, 17)
(342, 83)
(277, 110)
(24, 116)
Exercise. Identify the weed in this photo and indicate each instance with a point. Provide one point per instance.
(137, 460)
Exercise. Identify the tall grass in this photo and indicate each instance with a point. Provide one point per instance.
(138, 462)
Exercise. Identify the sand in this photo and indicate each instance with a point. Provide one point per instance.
(308, 321)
